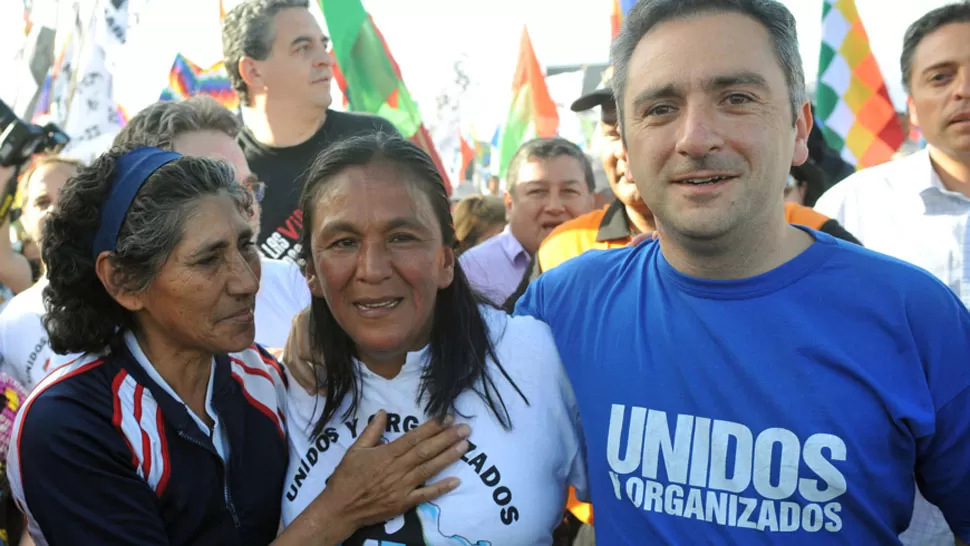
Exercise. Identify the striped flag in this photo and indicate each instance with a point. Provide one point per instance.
(852, 104)
(187, 79)
(533, 113)
(620, 9)
(369, 77)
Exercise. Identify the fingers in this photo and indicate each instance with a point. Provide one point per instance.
(446, 455)
(432, 492)
(429, 429)
(372, 433)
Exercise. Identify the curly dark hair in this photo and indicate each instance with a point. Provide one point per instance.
(247, 31)
(81, 315)
(460, 345)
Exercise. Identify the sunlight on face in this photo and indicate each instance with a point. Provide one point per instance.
(379, 259)
(708, 124)
(203, 297)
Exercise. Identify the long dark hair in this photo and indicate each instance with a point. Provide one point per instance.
(460, 344)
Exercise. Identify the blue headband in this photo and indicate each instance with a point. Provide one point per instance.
(130, 174)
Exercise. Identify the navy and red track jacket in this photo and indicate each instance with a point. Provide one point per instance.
(101, 454)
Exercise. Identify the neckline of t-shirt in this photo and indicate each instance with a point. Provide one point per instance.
(782, 276)
(414, 363)
(297, 149)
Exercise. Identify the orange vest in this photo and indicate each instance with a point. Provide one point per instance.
(601, 229)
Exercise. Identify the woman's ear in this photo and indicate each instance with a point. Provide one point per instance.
(113, 281)
(447, 268)
(313, 280)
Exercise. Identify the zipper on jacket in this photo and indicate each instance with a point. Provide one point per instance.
(225, 475)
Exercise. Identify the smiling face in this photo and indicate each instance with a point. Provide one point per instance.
(203, 297)
(378, 259)
(299, 67)
(939, 100)
(548, 192)
(708, 126)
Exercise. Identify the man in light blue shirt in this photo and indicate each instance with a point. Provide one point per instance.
(550, 180)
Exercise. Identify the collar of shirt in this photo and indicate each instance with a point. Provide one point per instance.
(217, 432)
(615, 224)
(916, 173)
(513, 249)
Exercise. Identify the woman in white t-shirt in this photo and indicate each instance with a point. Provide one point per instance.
(400, 330)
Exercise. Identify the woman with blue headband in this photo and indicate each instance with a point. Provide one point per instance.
(170, 427)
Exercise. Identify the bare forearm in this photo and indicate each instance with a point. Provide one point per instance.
(15, 272)
(321, 524)
(14, 268)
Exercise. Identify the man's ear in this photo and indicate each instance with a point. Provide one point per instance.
(913, 116)
(803, 128)
(251, 73)
(113, 281)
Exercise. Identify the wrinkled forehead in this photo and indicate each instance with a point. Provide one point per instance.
(373, 193)
(947, 45)
(685, 54)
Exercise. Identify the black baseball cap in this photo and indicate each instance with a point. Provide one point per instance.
(599, 97)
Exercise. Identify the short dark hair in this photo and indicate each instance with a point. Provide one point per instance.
(924, 26)
(547, 148)
(247, 31)
(460, 341)
(82, 316)
(161, 123)
(774, 16)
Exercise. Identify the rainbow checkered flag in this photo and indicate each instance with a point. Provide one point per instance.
(852, 105)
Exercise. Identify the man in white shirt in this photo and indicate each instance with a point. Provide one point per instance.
(916, 208)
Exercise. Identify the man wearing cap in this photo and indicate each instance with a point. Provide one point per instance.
(614, 225)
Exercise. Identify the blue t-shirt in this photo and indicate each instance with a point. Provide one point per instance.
(794, 407)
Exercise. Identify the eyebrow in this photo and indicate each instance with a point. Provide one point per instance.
(717, 83)
(301, 40)
(937, 66)
(217, 246)
(570, 182)
(339, 226)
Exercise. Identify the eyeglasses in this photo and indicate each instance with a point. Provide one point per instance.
(258, 188)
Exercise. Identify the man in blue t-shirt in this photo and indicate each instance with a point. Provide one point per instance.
(740, 380)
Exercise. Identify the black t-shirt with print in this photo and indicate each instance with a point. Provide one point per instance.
(284, 172)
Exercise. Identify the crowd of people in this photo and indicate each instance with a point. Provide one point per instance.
(281, 329)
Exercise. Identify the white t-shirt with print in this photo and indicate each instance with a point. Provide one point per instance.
(24, 351)
(513, 482)
(283, 293)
